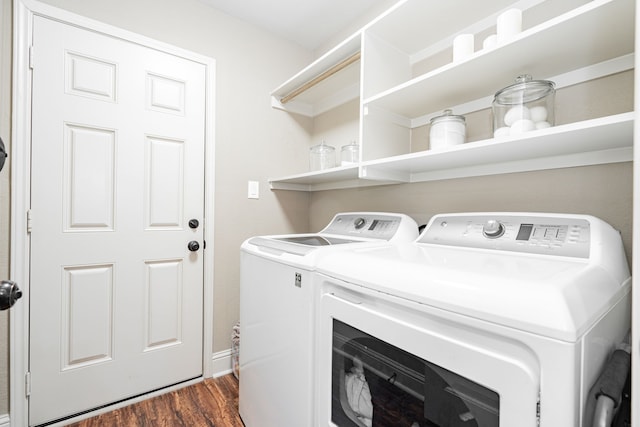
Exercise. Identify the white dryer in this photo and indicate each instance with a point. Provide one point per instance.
(487, 320)
(277, 312)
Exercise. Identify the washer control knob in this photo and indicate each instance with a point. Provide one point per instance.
(358, 223)
(493, 229)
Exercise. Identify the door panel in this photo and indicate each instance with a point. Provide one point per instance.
(117, 172)
(163, 296)
(164, 183)
(87, 300)
(89, 182)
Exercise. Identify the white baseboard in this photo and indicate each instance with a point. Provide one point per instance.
(4, 420)
(221, 362)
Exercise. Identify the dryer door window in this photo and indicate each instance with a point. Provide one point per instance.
(377, 384)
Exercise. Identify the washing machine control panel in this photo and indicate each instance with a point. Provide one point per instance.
(553, 235)
(374, 226)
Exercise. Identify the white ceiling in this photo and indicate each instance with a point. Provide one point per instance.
(306, 22)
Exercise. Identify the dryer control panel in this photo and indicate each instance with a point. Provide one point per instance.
(543, 234)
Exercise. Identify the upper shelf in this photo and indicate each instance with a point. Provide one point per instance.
(331, 92)
(410, 26)
(598, 141)
(417, 28)
(576, 39)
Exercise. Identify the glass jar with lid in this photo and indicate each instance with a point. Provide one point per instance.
(349, 154)
(524, 106)
(322, 157)
(447, 130)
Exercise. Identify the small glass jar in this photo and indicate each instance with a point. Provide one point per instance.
(349, 154)
(321, 157)
(524, 106)
(447, 130)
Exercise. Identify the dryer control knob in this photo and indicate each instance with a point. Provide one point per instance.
(359, 223)
(493, 229)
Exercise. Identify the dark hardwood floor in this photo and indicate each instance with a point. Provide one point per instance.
(212, 402)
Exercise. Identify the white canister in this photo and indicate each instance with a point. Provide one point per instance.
(508, 25)
(447, 130)
(463, 47)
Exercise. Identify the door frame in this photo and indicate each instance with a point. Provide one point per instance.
(23, 15)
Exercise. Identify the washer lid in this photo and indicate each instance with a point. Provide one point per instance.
(316, 240)
(300, 244)
(555, 297)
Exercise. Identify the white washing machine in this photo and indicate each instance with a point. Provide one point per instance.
(277, 312)
(487, 320)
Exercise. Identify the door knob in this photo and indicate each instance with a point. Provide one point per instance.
(193, 245)
(9, 294)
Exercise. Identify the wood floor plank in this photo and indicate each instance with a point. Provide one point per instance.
(210, 403)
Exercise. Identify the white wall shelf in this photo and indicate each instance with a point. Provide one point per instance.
(603, 140)
(339, 177)
(404, 76)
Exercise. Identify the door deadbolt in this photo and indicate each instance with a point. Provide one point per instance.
(194, 223)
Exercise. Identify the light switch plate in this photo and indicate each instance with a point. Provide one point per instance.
(253, 190)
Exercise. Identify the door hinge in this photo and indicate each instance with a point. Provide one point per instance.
(27, 384)
(31, 57)
(29, 221)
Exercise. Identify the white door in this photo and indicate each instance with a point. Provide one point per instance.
(117, 175)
